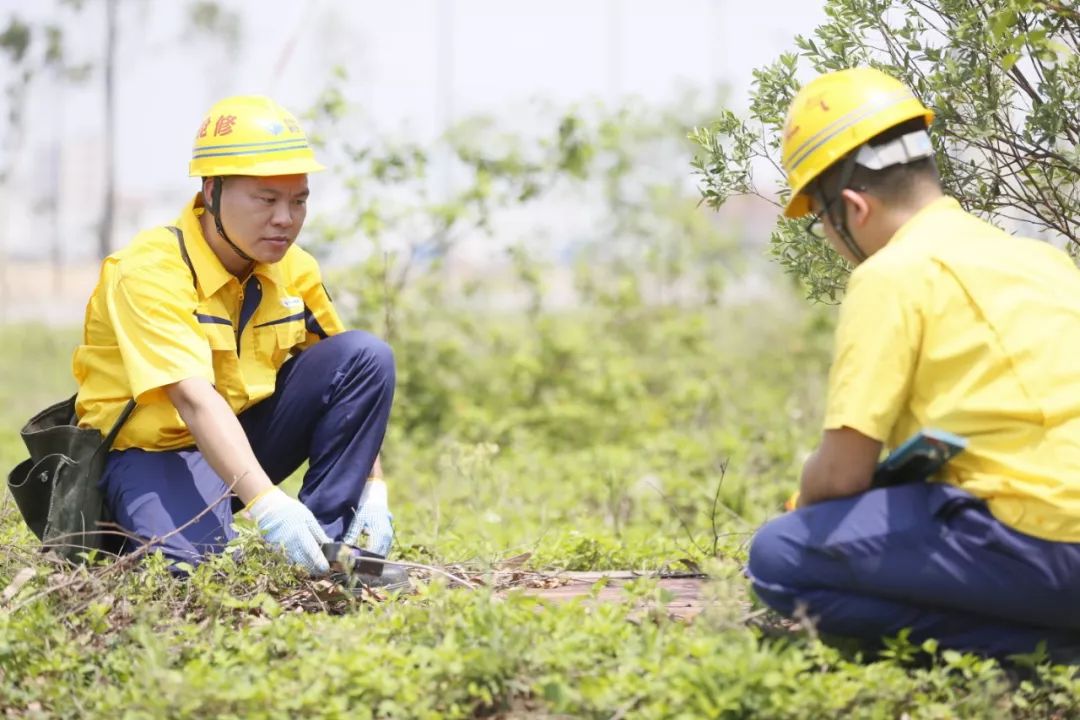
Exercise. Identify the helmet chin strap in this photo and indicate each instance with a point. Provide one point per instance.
(837, 216)
(215, 210)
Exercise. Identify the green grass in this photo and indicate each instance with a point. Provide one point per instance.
(589, 441)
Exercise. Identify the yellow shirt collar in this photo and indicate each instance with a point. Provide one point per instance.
(211, 274)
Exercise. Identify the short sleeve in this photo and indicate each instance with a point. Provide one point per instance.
(152, 311)
(878, 337)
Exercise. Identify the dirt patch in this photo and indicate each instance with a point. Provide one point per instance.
(685, 591)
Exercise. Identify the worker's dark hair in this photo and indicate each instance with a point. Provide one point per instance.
(895, 184)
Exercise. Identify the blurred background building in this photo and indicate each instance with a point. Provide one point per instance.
(413, 69)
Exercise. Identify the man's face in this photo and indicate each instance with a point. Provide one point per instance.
(263, 215)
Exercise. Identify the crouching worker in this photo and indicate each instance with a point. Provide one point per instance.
(220, 328)
(948, 323)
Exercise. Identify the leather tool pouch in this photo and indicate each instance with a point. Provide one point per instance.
(56, 489)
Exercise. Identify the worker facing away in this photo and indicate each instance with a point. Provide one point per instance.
(220, 328)
(948, 323)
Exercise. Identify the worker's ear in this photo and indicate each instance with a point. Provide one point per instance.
(207, 190)
(858, 206)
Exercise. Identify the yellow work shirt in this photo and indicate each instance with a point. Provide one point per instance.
(959, 326)
(154, 319)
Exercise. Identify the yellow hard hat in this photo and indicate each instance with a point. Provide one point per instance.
(250, 135)
(834, 114)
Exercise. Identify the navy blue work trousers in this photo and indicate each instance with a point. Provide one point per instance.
(330, 407)
(924, 556)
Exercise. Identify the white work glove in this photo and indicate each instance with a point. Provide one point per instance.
(286, 522)
(373, 517)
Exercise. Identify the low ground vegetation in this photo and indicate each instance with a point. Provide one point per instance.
(621, 438)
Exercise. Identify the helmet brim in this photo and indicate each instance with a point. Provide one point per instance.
(798, 206)
(294, 166)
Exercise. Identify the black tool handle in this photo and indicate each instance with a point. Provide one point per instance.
(353, 559)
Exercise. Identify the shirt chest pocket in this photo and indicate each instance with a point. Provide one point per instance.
(220, 336)
(275, 342)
